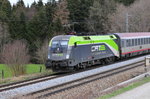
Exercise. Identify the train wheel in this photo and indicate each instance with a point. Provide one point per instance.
(83, 65)
(110, 60)
(77, 67)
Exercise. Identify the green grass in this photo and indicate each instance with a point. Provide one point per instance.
(122, 90)
(7, 72)
(30, 69)
(34, 68)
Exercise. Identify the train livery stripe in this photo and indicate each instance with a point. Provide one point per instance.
(94, 40)
(136, 51)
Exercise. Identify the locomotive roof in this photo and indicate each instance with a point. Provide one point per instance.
(134, 35)
(62, 37)
(88, 39)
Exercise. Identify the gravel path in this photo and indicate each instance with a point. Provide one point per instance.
(142, 92)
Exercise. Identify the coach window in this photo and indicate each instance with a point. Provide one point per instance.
(136, 42)
(141, 41)
(127, 43)
(122, 44)
(130, 42)
(147, 40)
(133, 42)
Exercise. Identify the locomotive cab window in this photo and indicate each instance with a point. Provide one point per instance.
(61, 43)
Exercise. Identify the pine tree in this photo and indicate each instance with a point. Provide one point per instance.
(79, 12)
(50, 10)
(17, 25)
(39, 5)
(5, 12)
(20, 3)
(5, 9)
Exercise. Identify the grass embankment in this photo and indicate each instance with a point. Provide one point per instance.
(30, 69)
(129, 87)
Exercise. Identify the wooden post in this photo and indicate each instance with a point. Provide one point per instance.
(40, 69)
(2, 74)
(147, 65)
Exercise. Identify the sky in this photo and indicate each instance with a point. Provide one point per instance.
(25, 1)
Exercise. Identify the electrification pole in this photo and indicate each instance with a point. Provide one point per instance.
(127, 22)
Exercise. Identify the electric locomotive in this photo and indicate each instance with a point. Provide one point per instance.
(71, 52)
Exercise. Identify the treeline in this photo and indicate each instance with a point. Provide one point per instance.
(39, 22)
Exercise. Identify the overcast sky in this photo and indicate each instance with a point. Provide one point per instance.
(25, 1)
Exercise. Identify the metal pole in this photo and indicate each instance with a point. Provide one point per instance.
(127, 22)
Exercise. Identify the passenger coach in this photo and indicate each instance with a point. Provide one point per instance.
(132, 44)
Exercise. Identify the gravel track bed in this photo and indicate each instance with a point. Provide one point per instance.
(93, 89)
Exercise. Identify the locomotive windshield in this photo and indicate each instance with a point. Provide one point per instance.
(59, 46)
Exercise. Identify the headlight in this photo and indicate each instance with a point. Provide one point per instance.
(67, 56)
(48, 56)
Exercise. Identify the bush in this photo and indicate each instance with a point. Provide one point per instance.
(15, 56)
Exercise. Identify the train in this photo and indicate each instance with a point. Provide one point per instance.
(72, 52)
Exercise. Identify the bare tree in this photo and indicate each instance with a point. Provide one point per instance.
(15, 56)
(98, 20)
(62, 12)
(42, 52)
(138, 16)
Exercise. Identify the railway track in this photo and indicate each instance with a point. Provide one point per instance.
(69, 85)
(10, 86)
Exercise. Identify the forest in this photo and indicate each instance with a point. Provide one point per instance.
(29, 28)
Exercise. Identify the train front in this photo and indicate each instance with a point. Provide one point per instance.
(59, 54)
